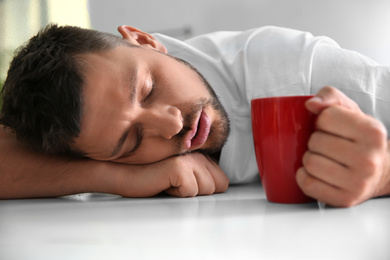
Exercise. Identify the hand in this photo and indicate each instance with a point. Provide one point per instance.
(347, 161)
(195, 174)
(181, 176)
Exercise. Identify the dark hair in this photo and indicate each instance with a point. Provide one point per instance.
(42, 101)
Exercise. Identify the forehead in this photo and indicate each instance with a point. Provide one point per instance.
(118, 60)
(109, 70)
(109, 58)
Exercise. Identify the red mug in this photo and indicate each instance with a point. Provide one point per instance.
(281, 129)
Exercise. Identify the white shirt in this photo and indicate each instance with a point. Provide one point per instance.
(272, 61)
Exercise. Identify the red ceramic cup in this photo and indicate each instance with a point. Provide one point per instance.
(281, 130)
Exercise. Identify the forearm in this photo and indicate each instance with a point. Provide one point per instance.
(27, 174)
(47, 176)
(30, 179)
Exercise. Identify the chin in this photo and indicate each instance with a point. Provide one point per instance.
(215, 142)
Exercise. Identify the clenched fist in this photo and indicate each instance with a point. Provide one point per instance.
(347, 161)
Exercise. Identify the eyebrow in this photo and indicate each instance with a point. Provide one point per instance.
(133, 83)
(133, 92)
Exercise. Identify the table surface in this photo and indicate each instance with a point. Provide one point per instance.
(238, 224)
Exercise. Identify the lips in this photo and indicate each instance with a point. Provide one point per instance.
(199, 132)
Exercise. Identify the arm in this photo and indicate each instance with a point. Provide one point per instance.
(348, 161)
(27, 174)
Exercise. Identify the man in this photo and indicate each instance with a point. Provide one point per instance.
(152, 123)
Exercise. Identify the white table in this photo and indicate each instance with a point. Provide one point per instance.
(239, 224)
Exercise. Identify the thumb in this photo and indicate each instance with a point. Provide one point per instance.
(329, 96)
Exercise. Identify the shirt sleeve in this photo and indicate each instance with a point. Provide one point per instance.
(360, 78)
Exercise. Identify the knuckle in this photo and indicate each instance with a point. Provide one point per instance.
(326, 116)
(375, 131)
(370, 165)
(365, 162)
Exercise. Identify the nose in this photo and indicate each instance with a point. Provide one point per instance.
(165, 121)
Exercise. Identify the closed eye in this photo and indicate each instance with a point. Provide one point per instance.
(137, 144)
(151, 88)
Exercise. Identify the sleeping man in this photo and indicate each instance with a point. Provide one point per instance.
(141, 114)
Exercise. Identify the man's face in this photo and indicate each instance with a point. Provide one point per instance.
(142, 106)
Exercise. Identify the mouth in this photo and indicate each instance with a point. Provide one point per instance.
(199, 132)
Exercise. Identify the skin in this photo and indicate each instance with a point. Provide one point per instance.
(191, 174)
(142, 92)
(346, 164)
(348, 158)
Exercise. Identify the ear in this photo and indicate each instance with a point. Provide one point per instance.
(140, 38)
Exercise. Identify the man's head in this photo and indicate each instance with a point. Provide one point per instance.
(121, 100)
(41, 95)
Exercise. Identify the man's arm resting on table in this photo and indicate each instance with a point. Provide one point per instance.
(28, 174)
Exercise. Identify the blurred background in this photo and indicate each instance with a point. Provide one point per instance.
(361, 25)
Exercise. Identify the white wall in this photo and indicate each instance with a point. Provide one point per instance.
(361, 25)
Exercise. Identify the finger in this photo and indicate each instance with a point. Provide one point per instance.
(183, 187)
(326, 170)
(326, 193)
(337, 161)
(210, 177)
(337, 149)
(221, 181)
(177, 192)
(353, 126)
(329, 96)
(340, 121)
(321, 191)
(205, 181)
